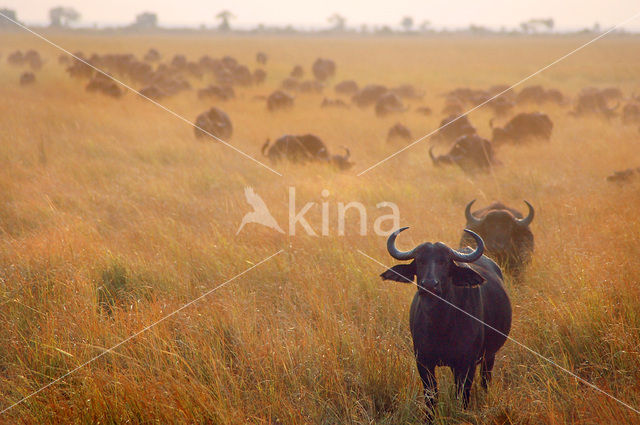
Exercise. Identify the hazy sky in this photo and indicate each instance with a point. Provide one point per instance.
(568, 14)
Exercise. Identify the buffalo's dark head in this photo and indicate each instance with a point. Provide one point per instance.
(501, 229)
(436, 266)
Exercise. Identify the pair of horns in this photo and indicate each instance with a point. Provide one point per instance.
(457, 256)
(471, 219)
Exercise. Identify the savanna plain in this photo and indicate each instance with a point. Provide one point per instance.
(113, 215)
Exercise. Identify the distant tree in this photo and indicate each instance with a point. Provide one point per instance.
(339, 22)
(224, 18)
(63, 16)
(425, 26)
(534, 25)
(9, 13)
(146, 20)
(407, 23)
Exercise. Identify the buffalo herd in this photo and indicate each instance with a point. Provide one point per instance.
(460, 315)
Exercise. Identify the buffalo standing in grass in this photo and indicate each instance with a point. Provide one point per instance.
(300, 149)
(279, 100)
(323, 69)
(471, 153)
(461, 314)
(453, 127)
(215, 122)
(523, 127)
(507, 234)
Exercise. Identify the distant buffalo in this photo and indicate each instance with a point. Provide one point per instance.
(279, 100)
(389, 103)
(399, 132)
(453, 127)
(261, 58)
(523, 127)
(215, 122)
(216, 92)
(299, 149)
(624, 176)
(100, 83)
(323, 69)
(471, 153)
(346, 87)
(506, 233)
(369, 94)
(27, 78)
(538, 94)
(297, 72)
(596, 102)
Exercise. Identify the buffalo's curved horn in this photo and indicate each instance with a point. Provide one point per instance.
(471, 219)
(473, 256)
(264, 147)
(529, 218)
(393, 251)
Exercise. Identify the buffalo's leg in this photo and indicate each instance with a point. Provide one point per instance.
(485, 370)
(428, 376)
(464, 379)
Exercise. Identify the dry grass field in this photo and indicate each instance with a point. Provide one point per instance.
(112, 215)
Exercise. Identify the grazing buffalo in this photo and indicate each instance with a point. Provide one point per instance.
(342, 162)
(523, 127)
(460, 315)
(389, 103)
(624, 176)
(323, 69)
(153, 92)
(215, 122)
(407, 91)
(152, 55)
(368, 95)
(594, 101)
(471, 153)
(300, 149)
(102, 84)
(538, 94)
(261, 58)
(279, 100)
(297, 72)
(346, 87)
(399, 132)
(454, 127)
(27, 78)
(507, 234)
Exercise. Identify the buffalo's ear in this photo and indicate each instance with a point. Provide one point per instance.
(401, 273)
(466, 276)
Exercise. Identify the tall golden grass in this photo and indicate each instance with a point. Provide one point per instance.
(112, 215)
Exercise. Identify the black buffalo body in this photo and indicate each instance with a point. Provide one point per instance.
(301, 148)
(460, 315)
(471, 153)
(506, 233)
(524, 126)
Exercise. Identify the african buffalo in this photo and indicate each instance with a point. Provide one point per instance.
(453, 127)
(342, 162)
(523, 127)
(507, 234)
(399, 132)
(460, 315)
(297, 72)
(624, 176)
(215, 122)
(346, 87)
(218, 92)
(279, 100)
(471, 153)
(369, 95)
(300, 149)
(102, 84)
(594, 101)
(261, 58)
(27, 78)
(323, 69)
(389, 103)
